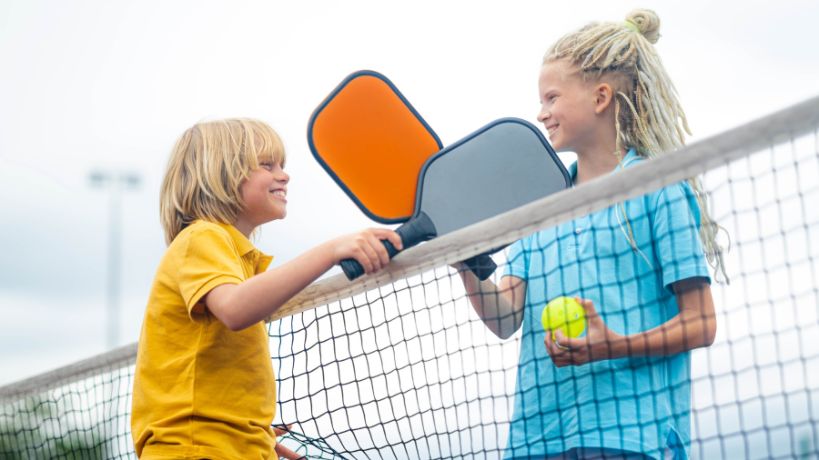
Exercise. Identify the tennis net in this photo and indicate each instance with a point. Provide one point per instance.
(399, 365)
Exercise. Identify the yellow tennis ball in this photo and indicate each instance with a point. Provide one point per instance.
(564, 314)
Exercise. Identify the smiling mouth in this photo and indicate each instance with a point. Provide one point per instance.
(551, 129)
(281, 194)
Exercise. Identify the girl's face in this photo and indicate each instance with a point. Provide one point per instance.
(567, 106)
(264, 194)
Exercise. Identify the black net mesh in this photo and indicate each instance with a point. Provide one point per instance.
(80, 414)
(410, 370)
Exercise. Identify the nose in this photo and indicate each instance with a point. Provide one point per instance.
(283, 177)
(543, 115)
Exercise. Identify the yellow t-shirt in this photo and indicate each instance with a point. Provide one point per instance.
(200, 389)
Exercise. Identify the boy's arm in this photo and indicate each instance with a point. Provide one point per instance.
(693, 327)
(499, 307)
(239, 306)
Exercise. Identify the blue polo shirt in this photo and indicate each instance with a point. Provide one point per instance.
(636, 404)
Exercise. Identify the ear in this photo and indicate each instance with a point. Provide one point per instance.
(603, 96)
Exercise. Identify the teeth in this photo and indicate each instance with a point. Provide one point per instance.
(279, 193)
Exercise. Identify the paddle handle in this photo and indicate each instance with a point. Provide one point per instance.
(353, 269)
(412, 232)
(481, 265)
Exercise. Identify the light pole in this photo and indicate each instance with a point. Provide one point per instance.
(115, 182)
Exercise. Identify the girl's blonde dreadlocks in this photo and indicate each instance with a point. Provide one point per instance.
(648, 114)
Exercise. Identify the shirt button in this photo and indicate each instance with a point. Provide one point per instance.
(578, 231)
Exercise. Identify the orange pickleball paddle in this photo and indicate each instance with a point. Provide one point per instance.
(373, 143)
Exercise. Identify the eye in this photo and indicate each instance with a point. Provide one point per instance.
(548, 99)
(266, 165)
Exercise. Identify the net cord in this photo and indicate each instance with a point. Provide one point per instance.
(115, 359)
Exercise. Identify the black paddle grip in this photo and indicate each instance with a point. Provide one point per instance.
(353, 269)
(415, 231)
(481, 265)
(412, 232)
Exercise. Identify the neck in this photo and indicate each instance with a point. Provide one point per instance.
(596, 156)
(246, 228)
(593, 165)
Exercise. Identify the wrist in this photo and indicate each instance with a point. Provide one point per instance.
(459, 267)
(622, 346)
(327, 254)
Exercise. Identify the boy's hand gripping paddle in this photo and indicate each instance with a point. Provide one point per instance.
(387, 159)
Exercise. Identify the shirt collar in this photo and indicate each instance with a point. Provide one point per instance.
(628, 160)
(246, 248)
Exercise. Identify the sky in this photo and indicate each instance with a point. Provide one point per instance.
(108, 86)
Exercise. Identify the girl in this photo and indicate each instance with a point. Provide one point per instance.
(637, 268)
(204, 384)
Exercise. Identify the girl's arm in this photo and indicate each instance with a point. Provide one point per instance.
(239, 306)
(695, 326)
(499, 307)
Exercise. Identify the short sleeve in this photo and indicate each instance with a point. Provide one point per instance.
(210, 259)
(676, 227)
(517, 260)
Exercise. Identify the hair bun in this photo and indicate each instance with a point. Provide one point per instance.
(647, 22)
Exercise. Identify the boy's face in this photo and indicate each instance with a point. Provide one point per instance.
(566, 107)
(264, 194)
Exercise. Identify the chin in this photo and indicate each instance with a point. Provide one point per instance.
(561, 147)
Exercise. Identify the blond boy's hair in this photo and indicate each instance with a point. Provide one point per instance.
(648, 114)
(207, 165)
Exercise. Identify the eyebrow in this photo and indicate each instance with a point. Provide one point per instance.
(548, 92)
